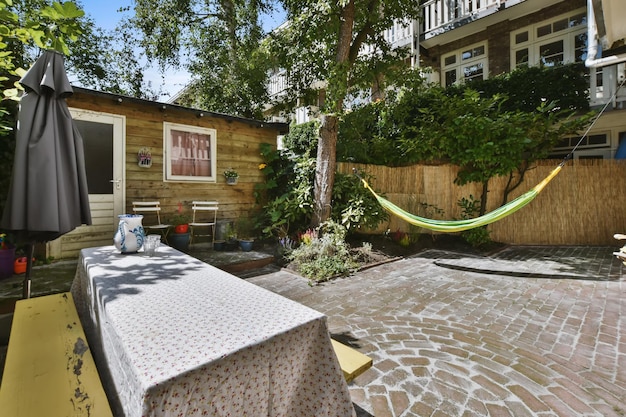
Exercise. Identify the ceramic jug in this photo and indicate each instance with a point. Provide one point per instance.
(130, 234)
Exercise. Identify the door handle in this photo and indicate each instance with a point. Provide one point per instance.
(118, 183)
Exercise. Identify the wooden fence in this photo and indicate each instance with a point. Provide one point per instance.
(585, 204)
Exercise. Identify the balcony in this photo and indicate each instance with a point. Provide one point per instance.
(442, 16)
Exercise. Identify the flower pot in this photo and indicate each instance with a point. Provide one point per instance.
(218, 245)
(7, 259)
(20, 265)
(230, 245)
(246, 244)
(181, 228)
(179, 241)
(231, 180)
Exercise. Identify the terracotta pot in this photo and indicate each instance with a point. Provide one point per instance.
(181, 228)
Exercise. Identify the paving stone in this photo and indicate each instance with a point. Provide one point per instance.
(529, 330)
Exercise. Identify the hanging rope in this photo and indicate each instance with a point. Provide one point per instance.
(451, 226)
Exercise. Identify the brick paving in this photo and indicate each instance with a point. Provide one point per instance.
(528, 331)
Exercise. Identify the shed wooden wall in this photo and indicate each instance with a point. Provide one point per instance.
(238, 142)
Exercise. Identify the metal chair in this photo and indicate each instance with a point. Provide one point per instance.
(204, 216)
(151, 211)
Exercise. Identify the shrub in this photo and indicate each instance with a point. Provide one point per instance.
(286, 197)
(325, 255)
(479, 236)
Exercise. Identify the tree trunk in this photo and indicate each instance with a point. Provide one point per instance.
(327, 146)
(325, 169)
(483, 198)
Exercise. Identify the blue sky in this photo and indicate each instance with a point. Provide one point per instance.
(105, 14)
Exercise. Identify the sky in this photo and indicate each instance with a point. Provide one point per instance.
(106, 15)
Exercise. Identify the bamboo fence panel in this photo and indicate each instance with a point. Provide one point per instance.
(583, 205)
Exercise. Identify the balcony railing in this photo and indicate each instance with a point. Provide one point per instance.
(442, 13)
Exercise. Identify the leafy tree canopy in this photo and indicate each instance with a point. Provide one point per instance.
(486, 133)
(219, 41)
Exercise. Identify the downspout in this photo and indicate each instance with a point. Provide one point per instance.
(592, 43)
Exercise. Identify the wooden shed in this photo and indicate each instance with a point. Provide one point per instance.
(140, 150)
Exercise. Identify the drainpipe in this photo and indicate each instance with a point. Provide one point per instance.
(592, 43)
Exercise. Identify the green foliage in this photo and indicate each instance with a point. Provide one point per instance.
(479, 236)
(502, 121)
(220, 42)
(49, 27)
(302, 139)
(324, 256)
(286, 197)
(354, 206)
(487, 134)
(322, 42)
(526, 88)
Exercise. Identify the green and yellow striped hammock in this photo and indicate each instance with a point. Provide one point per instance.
(450, 226)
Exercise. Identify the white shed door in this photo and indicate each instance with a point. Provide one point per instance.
(104, 141)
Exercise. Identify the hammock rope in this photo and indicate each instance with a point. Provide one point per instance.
(451, 226)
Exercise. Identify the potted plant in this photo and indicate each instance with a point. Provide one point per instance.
(180, 238)
(7, 257)
(180, 220)
(230, 236)
(231, 176)
(245, 229)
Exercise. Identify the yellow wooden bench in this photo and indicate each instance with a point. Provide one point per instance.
(49, 370)
(353, 363)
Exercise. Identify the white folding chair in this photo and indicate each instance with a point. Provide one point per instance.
(151, 211)
(204, 216)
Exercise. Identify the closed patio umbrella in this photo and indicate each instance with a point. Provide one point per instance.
(48, 195)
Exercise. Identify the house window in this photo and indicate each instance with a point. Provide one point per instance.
(592, 146)
(559, 41)
(465, 65)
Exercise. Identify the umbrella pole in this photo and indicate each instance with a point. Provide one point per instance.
(30, 252)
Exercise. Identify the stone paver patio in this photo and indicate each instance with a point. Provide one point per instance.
(529, 331)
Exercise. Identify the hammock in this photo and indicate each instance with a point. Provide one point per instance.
(450, 226)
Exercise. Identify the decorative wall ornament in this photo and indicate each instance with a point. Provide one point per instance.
(144, 158)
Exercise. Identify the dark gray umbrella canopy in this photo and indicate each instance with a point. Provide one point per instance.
(48, 196)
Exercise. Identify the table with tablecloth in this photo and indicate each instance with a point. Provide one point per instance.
(174, 336)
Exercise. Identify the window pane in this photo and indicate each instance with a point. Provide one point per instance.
(473, 72)
(560, 25)
(521, 37)
(98, 145)
(580, 19)
(551, 53)
(479, 50)
(580, 47)
(563, 143)
(449, 60)
(521, 57)
(466, 55)
(544, 30)
(597, 139)
(450, 78)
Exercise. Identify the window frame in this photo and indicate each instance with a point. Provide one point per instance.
(169, 153)
(566, 33)
(461, 63)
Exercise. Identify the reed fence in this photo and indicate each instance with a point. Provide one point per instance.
(585, 204)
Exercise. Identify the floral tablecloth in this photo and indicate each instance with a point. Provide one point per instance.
(173, 336)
